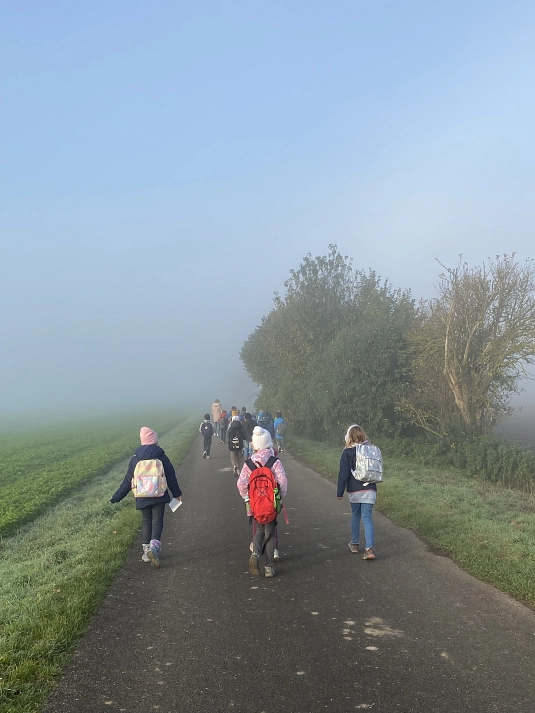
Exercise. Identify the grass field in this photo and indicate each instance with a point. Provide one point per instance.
(487, 529)
(37, 468)
(53, 570)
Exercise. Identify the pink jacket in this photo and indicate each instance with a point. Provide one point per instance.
(217, 410)
(260, 458)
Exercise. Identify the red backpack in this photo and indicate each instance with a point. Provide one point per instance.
(264, 496)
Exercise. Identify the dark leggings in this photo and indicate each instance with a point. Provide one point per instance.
(152, 522)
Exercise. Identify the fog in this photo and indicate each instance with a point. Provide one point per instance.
(165, 166)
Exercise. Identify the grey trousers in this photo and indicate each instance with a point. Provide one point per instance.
(237, 459)
(264, 540)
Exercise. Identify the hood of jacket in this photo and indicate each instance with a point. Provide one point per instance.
(148, 452)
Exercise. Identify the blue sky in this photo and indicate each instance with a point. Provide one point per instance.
(165, 164)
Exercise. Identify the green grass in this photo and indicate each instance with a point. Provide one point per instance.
(37, 468)
(488, 529)
(54, 575)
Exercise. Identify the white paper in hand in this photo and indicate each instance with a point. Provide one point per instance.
(175, 504)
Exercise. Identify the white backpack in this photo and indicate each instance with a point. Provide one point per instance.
(149, 479)
(369, 463)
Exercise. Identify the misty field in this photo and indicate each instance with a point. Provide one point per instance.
(37, 468)
(56, 567)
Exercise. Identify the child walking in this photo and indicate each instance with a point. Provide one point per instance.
(150, 458)
(207, 431)
(280, 426)
(362, 495)
(264, 539)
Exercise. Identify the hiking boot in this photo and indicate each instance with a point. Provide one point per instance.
(269, 572)
(369, 554)
(276, 557)
(253, 564)
(145, 556)
(153, 553)
(354, 547)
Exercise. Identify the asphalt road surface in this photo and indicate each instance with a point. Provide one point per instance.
(407, 633)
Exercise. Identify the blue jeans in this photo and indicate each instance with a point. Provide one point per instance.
(364, 511)
(247, 449)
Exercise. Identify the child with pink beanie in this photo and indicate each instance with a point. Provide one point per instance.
(152, 505)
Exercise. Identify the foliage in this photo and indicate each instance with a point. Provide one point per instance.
(332, 349)
(470, 347)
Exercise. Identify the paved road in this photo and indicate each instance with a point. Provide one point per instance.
(408, 633)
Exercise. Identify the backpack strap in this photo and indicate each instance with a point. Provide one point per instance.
(271, 461)
(268, 464)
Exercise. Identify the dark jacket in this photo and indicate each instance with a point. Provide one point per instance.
(146, 453)
(248, 427)
(235, 429)
(346, 481)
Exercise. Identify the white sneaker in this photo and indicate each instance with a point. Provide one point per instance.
(208, 457)
(269, 572)
(276, 557)
(251, 546)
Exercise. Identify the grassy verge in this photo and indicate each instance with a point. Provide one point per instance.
(487, 529)
(54, 574)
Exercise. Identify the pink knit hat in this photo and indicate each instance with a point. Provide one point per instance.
(148, 436)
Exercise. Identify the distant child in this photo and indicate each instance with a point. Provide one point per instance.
(207, 431)
(261, 499)
(362, 495)
(150, 475)
(248, 426)
(223, 426)
(280, 426)
(235, 437)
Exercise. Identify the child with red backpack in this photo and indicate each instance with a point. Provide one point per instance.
(262, 484)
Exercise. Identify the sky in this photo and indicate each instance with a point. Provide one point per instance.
(164, 165)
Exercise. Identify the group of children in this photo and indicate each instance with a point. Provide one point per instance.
(236, 429)
(262, 483)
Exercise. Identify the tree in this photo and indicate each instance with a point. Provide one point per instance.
(472, 346)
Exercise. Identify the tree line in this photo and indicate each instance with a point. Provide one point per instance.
(342, 345)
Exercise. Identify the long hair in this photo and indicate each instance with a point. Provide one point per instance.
(355, 434)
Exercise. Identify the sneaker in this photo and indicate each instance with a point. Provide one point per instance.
(253, 564)
(208, 457)
(204, 454)
(153, 555)
(251, 546)
(354, 547)
(269, 572)
(144, 556)
(276, 557)
(236, 472)
(369, 554)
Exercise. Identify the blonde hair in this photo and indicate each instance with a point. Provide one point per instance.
(355, 434)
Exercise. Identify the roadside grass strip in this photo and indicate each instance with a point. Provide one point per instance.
(38, 468)
(55, 573)
(489, 530)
